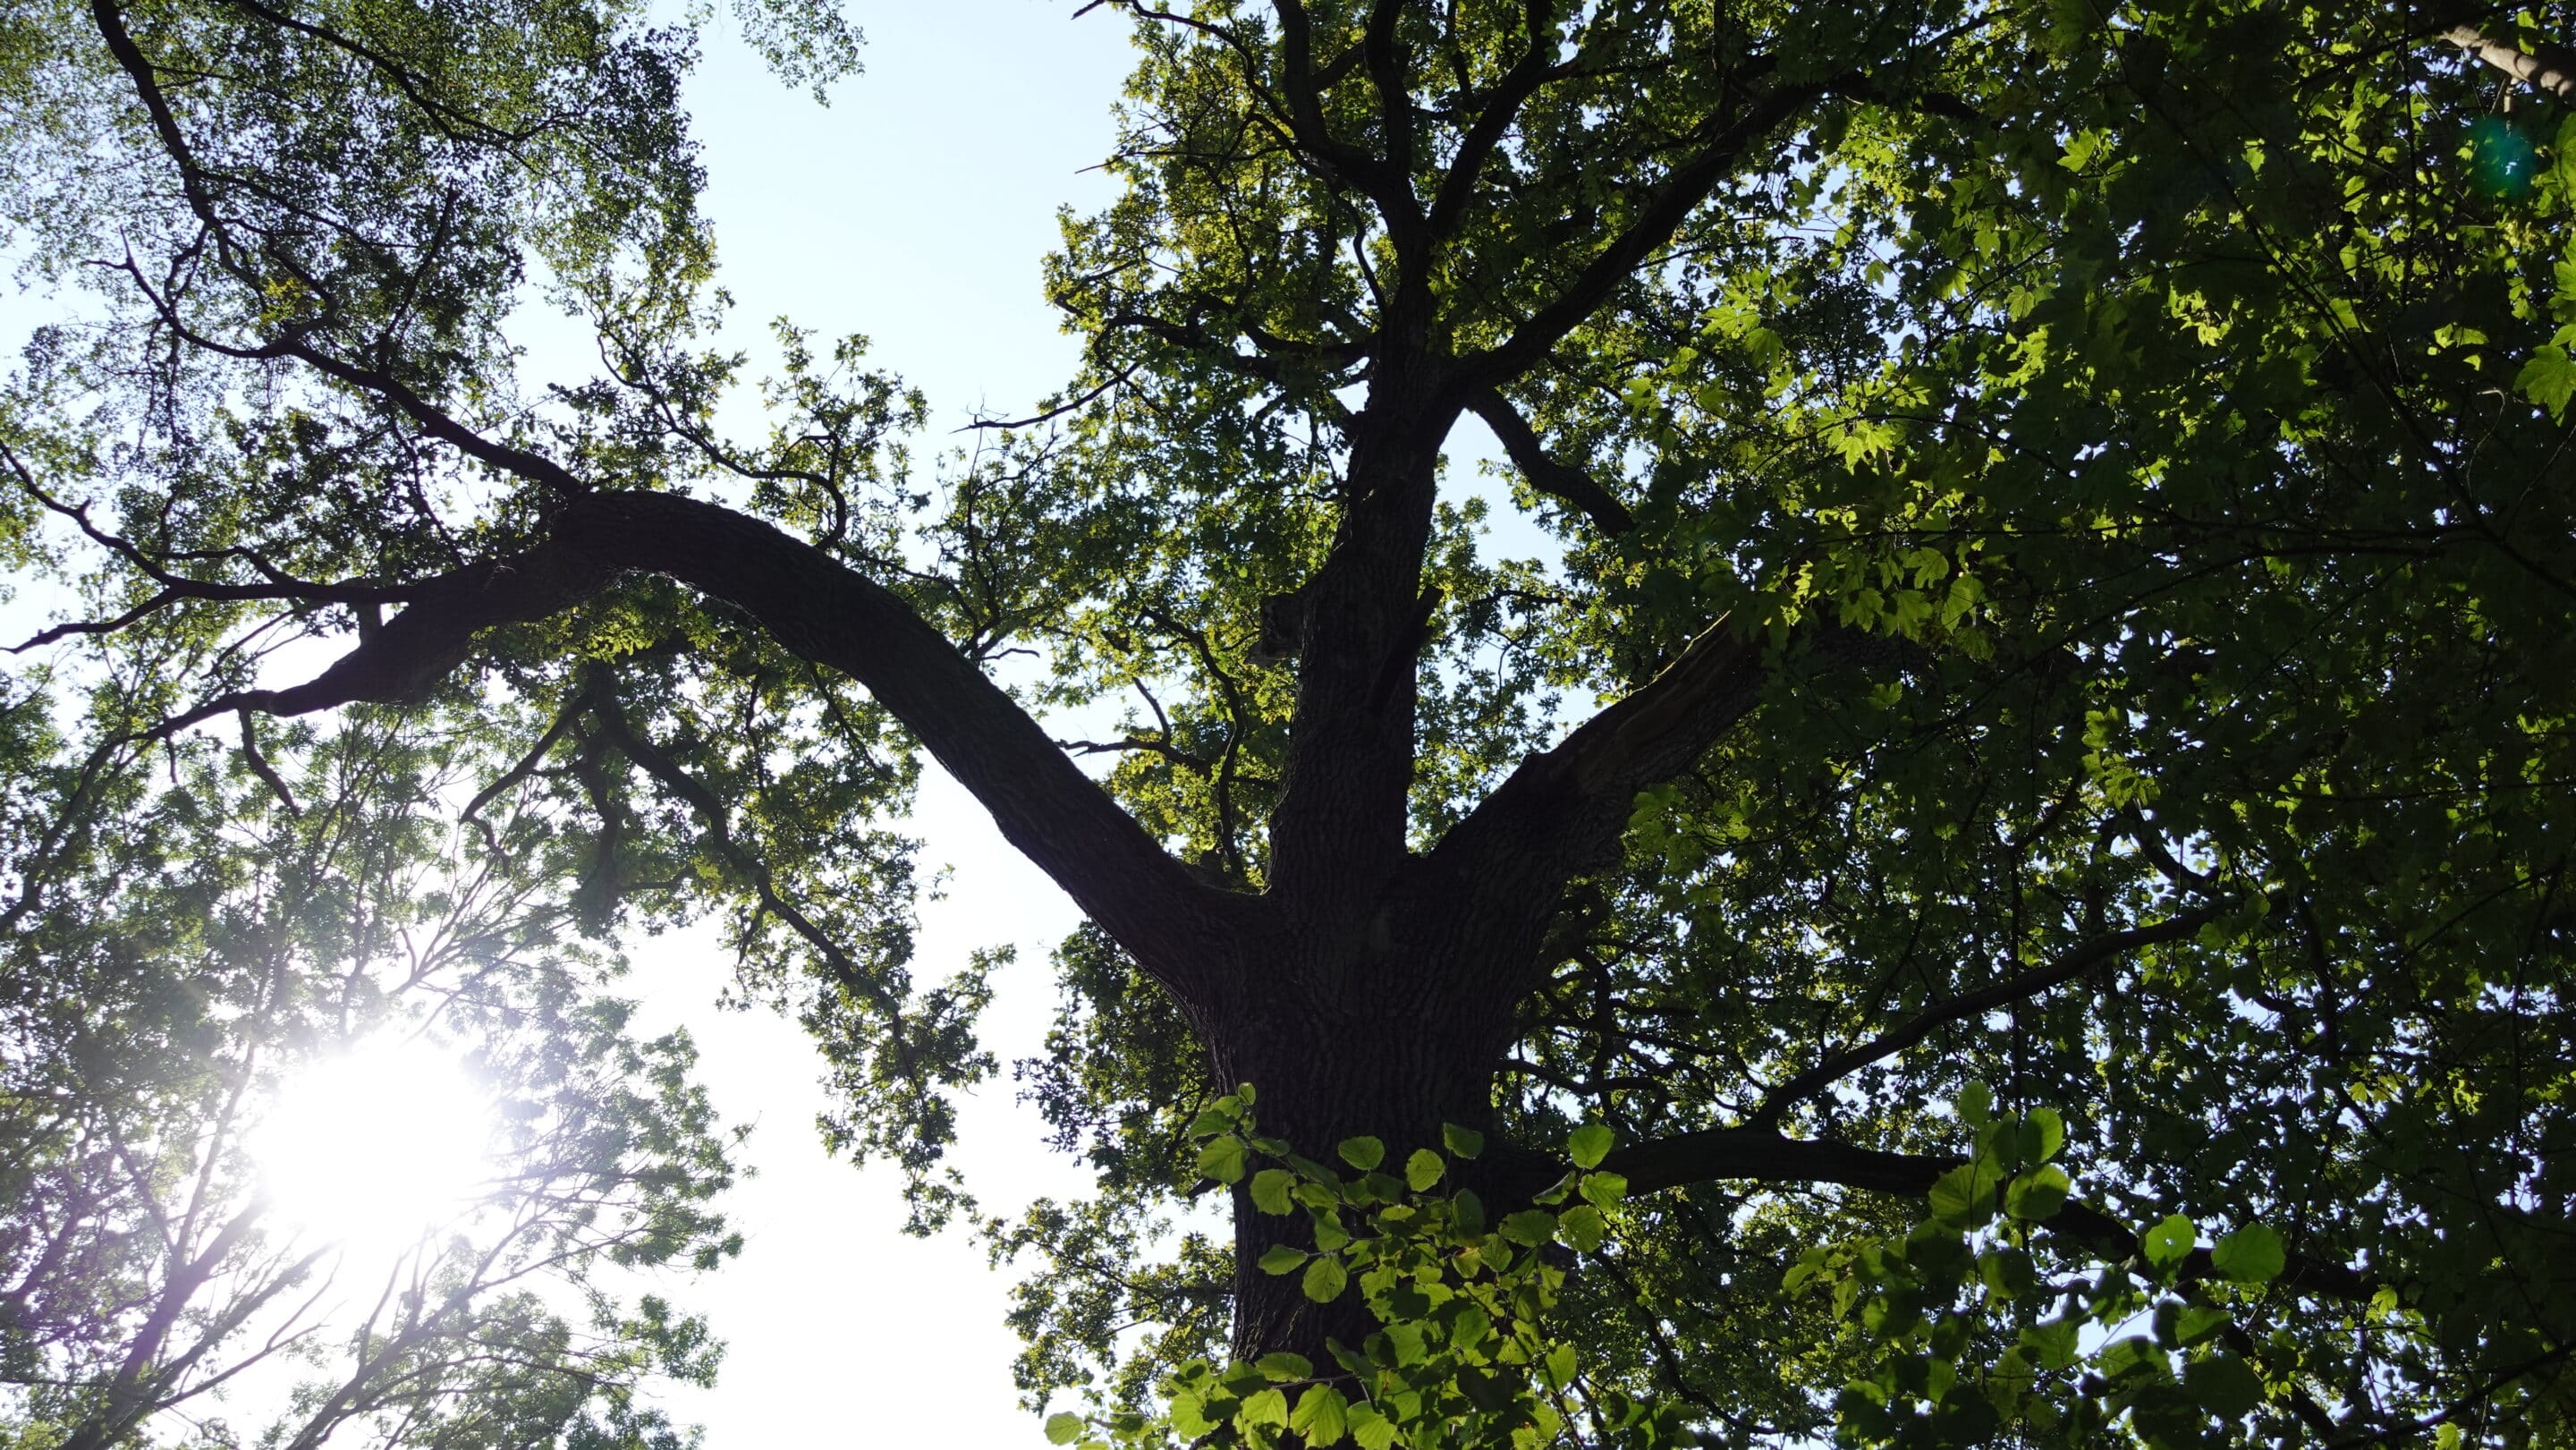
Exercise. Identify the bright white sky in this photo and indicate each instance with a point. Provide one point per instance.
(915, 209)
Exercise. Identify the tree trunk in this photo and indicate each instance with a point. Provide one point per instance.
(1388, 1042)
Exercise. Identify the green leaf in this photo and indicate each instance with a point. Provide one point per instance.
(1588, 1145)
(2008, 1272)
(2170, 1241)
(1282, 1366)
(1325, 1278)
(1320, 1417)
(2549, 379)
(1329, 1233)
(1530, 1227)
(1264, 1407)
(1604, 1189)
(2198, 1322)
(1976, 1104)
(1461, 1142)
(2038, 1195)
(2223, 1385)
(2051, 1128)
(1279, 1259)
(1063, 1428)
(1221, 1158)
(1423, 1169)
(1956, 1196)
(2055, 1342)
(1559, 1367)
(1467, 1212)
(1362, 1153)
(2251, 1255)
(1582, 1226)
(1371, 1428)
(2136, 1351)
(1270, 1190)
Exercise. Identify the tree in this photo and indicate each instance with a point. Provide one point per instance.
(2053, 562)
(234, 932)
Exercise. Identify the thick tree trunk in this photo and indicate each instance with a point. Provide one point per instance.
(1387, 1037)
(1396, 1077)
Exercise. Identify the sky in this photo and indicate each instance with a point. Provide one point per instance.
(916, 209)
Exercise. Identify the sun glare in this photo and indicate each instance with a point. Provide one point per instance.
(374, 1145)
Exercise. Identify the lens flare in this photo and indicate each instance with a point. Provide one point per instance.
(374, 1145)
(2502, 157)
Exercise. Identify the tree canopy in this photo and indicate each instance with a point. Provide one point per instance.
(1992, 775)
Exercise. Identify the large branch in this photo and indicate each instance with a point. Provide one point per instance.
(1302, 84)
(2544, 67)
(1562, 810)
(1535, 69)
(402, 662)
(828, 613)
(1546, 473)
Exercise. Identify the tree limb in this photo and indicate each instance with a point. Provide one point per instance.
(1548, 475)
(2544, 67)
(821, 609)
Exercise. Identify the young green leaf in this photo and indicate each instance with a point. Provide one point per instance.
(2251, 1255)
(1325, 1278)
(1588, 1145)
(1362, 1153)
(1282, 1367)
(1371, 1428)
(1604, 1189)
(1221, 1158)
(2170, 1241)
(1264, 1407)
(1530, 1227)
(1976, 1104)
(1321, 1417)
(1270, 1190)
(1461, 1142)
(1956, 1199)
(1279, 1259)
(2039, 1194)
(1423, 1169)
(2043, 1133)
(1063, 1428)
(1582, 1227)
